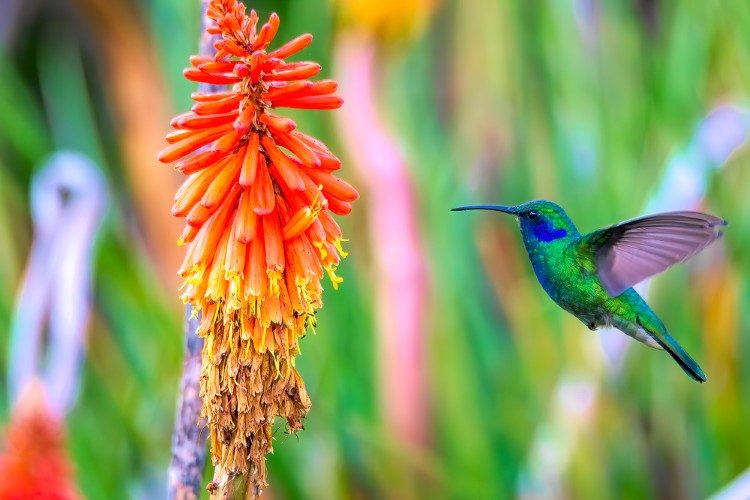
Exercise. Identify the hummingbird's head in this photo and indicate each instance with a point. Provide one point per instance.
(541, 221)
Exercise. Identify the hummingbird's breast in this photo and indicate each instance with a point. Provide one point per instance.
(569, 279)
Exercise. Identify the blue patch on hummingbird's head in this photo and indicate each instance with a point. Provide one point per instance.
(543, 221)
(545, 231)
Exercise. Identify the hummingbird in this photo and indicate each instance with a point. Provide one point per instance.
(592, 275)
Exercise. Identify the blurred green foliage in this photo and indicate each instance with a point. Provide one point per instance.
(579, 101)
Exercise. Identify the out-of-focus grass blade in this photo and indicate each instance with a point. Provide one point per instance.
(66, 98)
(22, 126)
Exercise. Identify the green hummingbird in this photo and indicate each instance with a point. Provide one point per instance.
(591, 275)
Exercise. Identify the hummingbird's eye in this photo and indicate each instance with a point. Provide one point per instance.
(532, 214)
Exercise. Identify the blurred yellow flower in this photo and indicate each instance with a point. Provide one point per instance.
(391, 20)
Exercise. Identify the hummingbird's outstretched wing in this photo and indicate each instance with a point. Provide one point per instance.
(631, 251)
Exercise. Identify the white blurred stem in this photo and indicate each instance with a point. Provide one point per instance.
(68, 200)
(738, 489)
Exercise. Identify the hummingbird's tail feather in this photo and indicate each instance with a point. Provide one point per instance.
(669, 344)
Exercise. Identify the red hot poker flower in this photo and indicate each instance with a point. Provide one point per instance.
(257, 201)
(34, 462)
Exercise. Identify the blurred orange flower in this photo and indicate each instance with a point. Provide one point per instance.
(33, 463)
(258, 201)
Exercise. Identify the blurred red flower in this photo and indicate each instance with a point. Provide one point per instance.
(34, 462)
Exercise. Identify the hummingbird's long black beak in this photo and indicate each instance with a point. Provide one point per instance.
(496, 208)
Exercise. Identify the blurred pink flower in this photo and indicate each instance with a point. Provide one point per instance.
(395, 236)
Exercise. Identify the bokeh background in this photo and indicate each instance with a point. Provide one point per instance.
(440, 369)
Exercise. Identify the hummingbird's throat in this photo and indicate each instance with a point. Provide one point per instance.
(546, 232)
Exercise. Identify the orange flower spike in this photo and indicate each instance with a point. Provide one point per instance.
(259, 229)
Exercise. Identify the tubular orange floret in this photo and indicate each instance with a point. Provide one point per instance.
(279, 89)
(226, 180)
(195, 121)
(217, 106)
(310, 102)
(250, 162)
(257, 204)
(328, 160)
(301, 150)
(261, 191)
(193, 189)
(333, 185)
(288, 172)
(278, 124)
(198, 162)
(246, 221)
(294, 71)
(199, 76)
(292, 46)
(189, 144)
